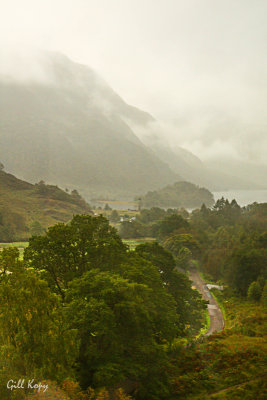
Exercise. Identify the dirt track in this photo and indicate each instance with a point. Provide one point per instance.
(216, 316)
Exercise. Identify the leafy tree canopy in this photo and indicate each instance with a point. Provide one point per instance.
(188, 301)
(180, 194)
(170, 224)
(34, 337)
(121, 325)
(159, 257)
(67, 251)
(176, 242)
(245, 266)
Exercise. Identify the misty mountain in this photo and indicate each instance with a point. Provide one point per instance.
(63, 124)
(70, 128)
(251, 171)
(214, 176)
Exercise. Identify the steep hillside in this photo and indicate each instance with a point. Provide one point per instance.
(27, 209)
(70, 129)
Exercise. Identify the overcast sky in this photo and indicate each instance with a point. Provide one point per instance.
(199, 66)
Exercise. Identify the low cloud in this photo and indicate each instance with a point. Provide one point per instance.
(24, 64)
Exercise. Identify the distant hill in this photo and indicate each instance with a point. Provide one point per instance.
(216, 175)
(245, 171)
(71, 129)
(179, 195)
(27, 209)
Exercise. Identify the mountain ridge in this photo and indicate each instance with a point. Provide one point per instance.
(63, 134)
(69, 127)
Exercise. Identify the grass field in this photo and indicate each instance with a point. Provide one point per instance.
(20, 245)
(132, 243)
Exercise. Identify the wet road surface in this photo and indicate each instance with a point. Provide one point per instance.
(216, 315)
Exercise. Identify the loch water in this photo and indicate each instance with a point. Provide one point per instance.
(243, 197)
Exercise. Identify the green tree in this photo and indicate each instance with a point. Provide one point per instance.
(264, 296)
(9, 260)
(66, 251)
(121, 327)
(150, 215)
(176, 242)
(254, 291)
(133, 229)
(245, 266)
(35, 340)
(189, 305)
(114, 216)
(170, 224)
(75, 194)
(159, 257)
(42, 188)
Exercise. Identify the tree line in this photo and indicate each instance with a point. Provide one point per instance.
(229, 241)
(81, 306)
(84, 312)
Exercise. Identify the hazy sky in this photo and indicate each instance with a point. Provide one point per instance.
(199, 66)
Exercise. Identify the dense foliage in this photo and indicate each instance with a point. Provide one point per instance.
(107, 314)
(154, 222)
(227, 365)
(85, 312)
(180, 194)
(233, 242)
(230, 241)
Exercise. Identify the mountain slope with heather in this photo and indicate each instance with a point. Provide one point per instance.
(27, 209)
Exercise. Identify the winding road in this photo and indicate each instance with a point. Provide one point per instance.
(216, 315)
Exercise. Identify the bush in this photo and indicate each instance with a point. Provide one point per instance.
(254, 291)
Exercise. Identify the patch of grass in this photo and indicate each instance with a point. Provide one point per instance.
(132, 243)
(206, 326)
(21, 245)
(218, 296)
